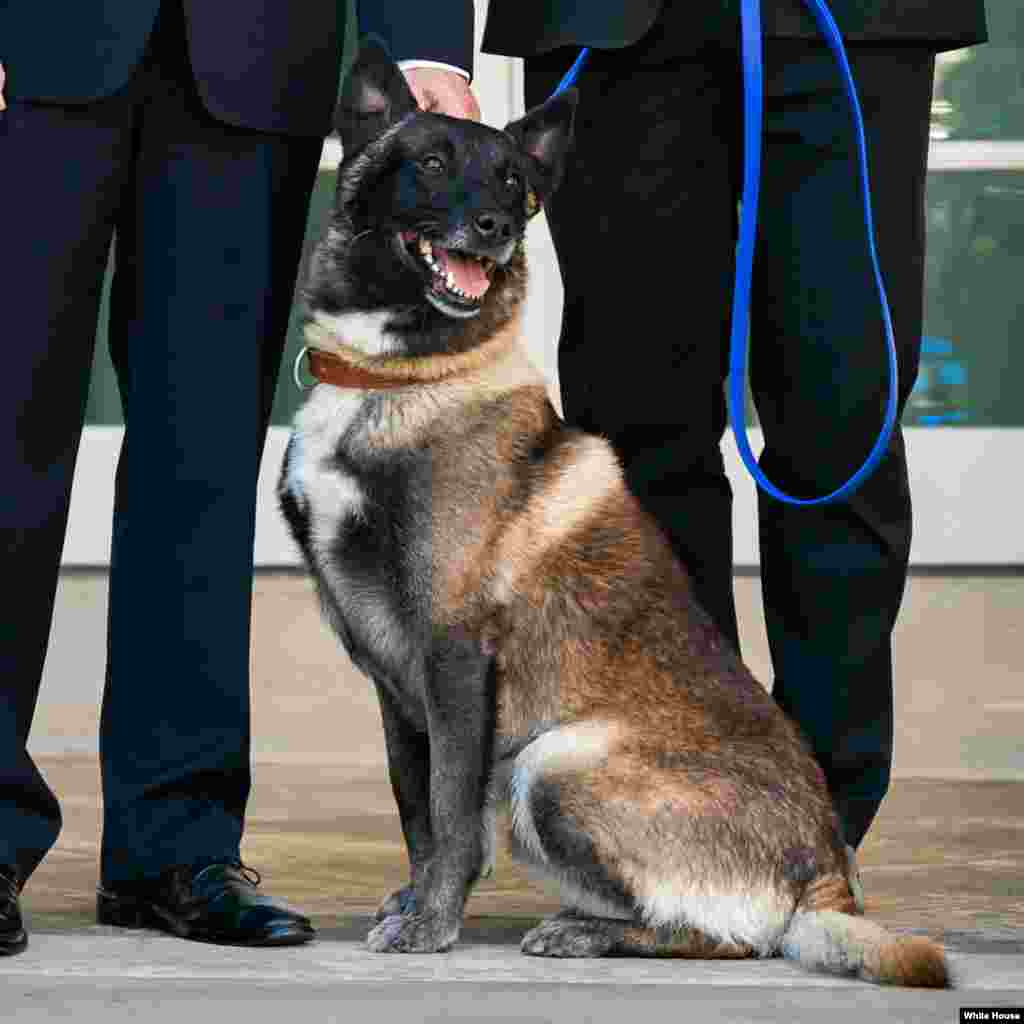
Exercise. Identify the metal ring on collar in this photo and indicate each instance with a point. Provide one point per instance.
(295, 371)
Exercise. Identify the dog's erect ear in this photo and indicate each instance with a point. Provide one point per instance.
(545, 134)
(374, 97)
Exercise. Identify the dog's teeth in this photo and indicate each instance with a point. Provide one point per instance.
(449, 280)
(427, 253)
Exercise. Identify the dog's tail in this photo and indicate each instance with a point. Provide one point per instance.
(831, 939)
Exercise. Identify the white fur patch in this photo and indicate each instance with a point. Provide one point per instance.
(330, 496)
(757, 918)
(840, 943)
(577, 746)
(363, 331)
(312, 477)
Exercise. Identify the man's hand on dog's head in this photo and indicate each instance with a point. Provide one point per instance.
(442, 92)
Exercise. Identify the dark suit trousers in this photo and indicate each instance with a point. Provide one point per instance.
(644, 226)
(209, 223)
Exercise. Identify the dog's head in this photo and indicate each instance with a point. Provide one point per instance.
(430, 211)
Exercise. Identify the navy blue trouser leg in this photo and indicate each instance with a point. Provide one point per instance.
(210, 221)
(207, 253)
(644, 226)
(61, 181)
(833, 576)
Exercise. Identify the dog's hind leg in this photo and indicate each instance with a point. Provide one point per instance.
(573, 934)
(631, 870)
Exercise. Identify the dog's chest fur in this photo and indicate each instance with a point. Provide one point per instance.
(354, 511)
(410, 507)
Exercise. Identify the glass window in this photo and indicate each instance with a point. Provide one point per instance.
(972, 362)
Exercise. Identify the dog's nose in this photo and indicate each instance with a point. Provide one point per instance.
(494, 226)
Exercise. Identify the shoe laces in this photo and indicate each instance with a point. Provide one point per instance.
(9, 890)
(251, 875)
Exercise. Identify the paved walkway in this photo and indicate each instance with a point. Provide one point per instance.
(945, 856)
(94, 974)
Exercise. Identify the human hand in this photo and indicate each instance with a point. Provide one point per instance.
(442, 92)
(2, 76)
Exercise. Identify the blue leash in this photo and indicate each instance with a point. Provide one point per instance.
(753, 91)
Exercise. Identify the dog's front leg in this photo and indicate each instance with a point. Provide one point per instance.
(408, 747)
(460, 721)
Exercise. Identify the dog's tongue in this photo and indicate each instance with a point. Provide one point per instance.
(469, 275)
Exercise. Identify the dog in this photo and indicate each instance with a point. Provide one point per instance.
(530, 634)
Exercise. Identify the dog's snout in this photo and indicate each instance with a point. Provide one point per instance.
(493, 226)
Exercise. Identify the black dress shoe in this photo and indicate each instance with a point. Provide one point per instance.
(215, 903)
(13, 937)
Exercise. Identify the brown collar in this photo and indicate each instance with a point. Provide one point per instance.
(332, 361)
(329, 368)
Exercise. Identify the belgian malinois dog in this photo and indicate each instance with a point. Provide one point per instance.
(530, 634)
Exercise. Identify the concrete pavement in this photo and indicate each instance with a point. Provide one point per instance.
(944, 858)
(95, 974)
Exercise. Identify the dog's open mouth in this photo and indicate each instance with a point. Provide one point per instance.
(457, 281)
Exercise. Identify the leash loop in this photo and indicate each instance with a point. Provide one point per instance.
(750, 17)
(753, 107)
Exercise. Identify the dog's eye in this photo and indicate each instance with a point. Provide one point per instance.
(512, 181)
(432, 164)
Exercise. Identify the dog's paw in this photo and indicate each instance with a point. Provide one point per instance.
(569, 937)
(401, 901)
(412, 933)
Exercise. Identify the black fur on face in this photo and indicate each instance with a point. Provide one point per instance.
(430, 211)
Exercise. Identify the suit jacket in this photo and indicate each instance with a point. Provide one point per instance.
(418, 30)
(270, 65)
(524, 28)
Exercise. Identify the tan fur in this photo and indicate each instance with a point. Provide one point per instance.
(829, 892)
(911, 960)
(686, 943)
(565, 501)
(412, 415)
